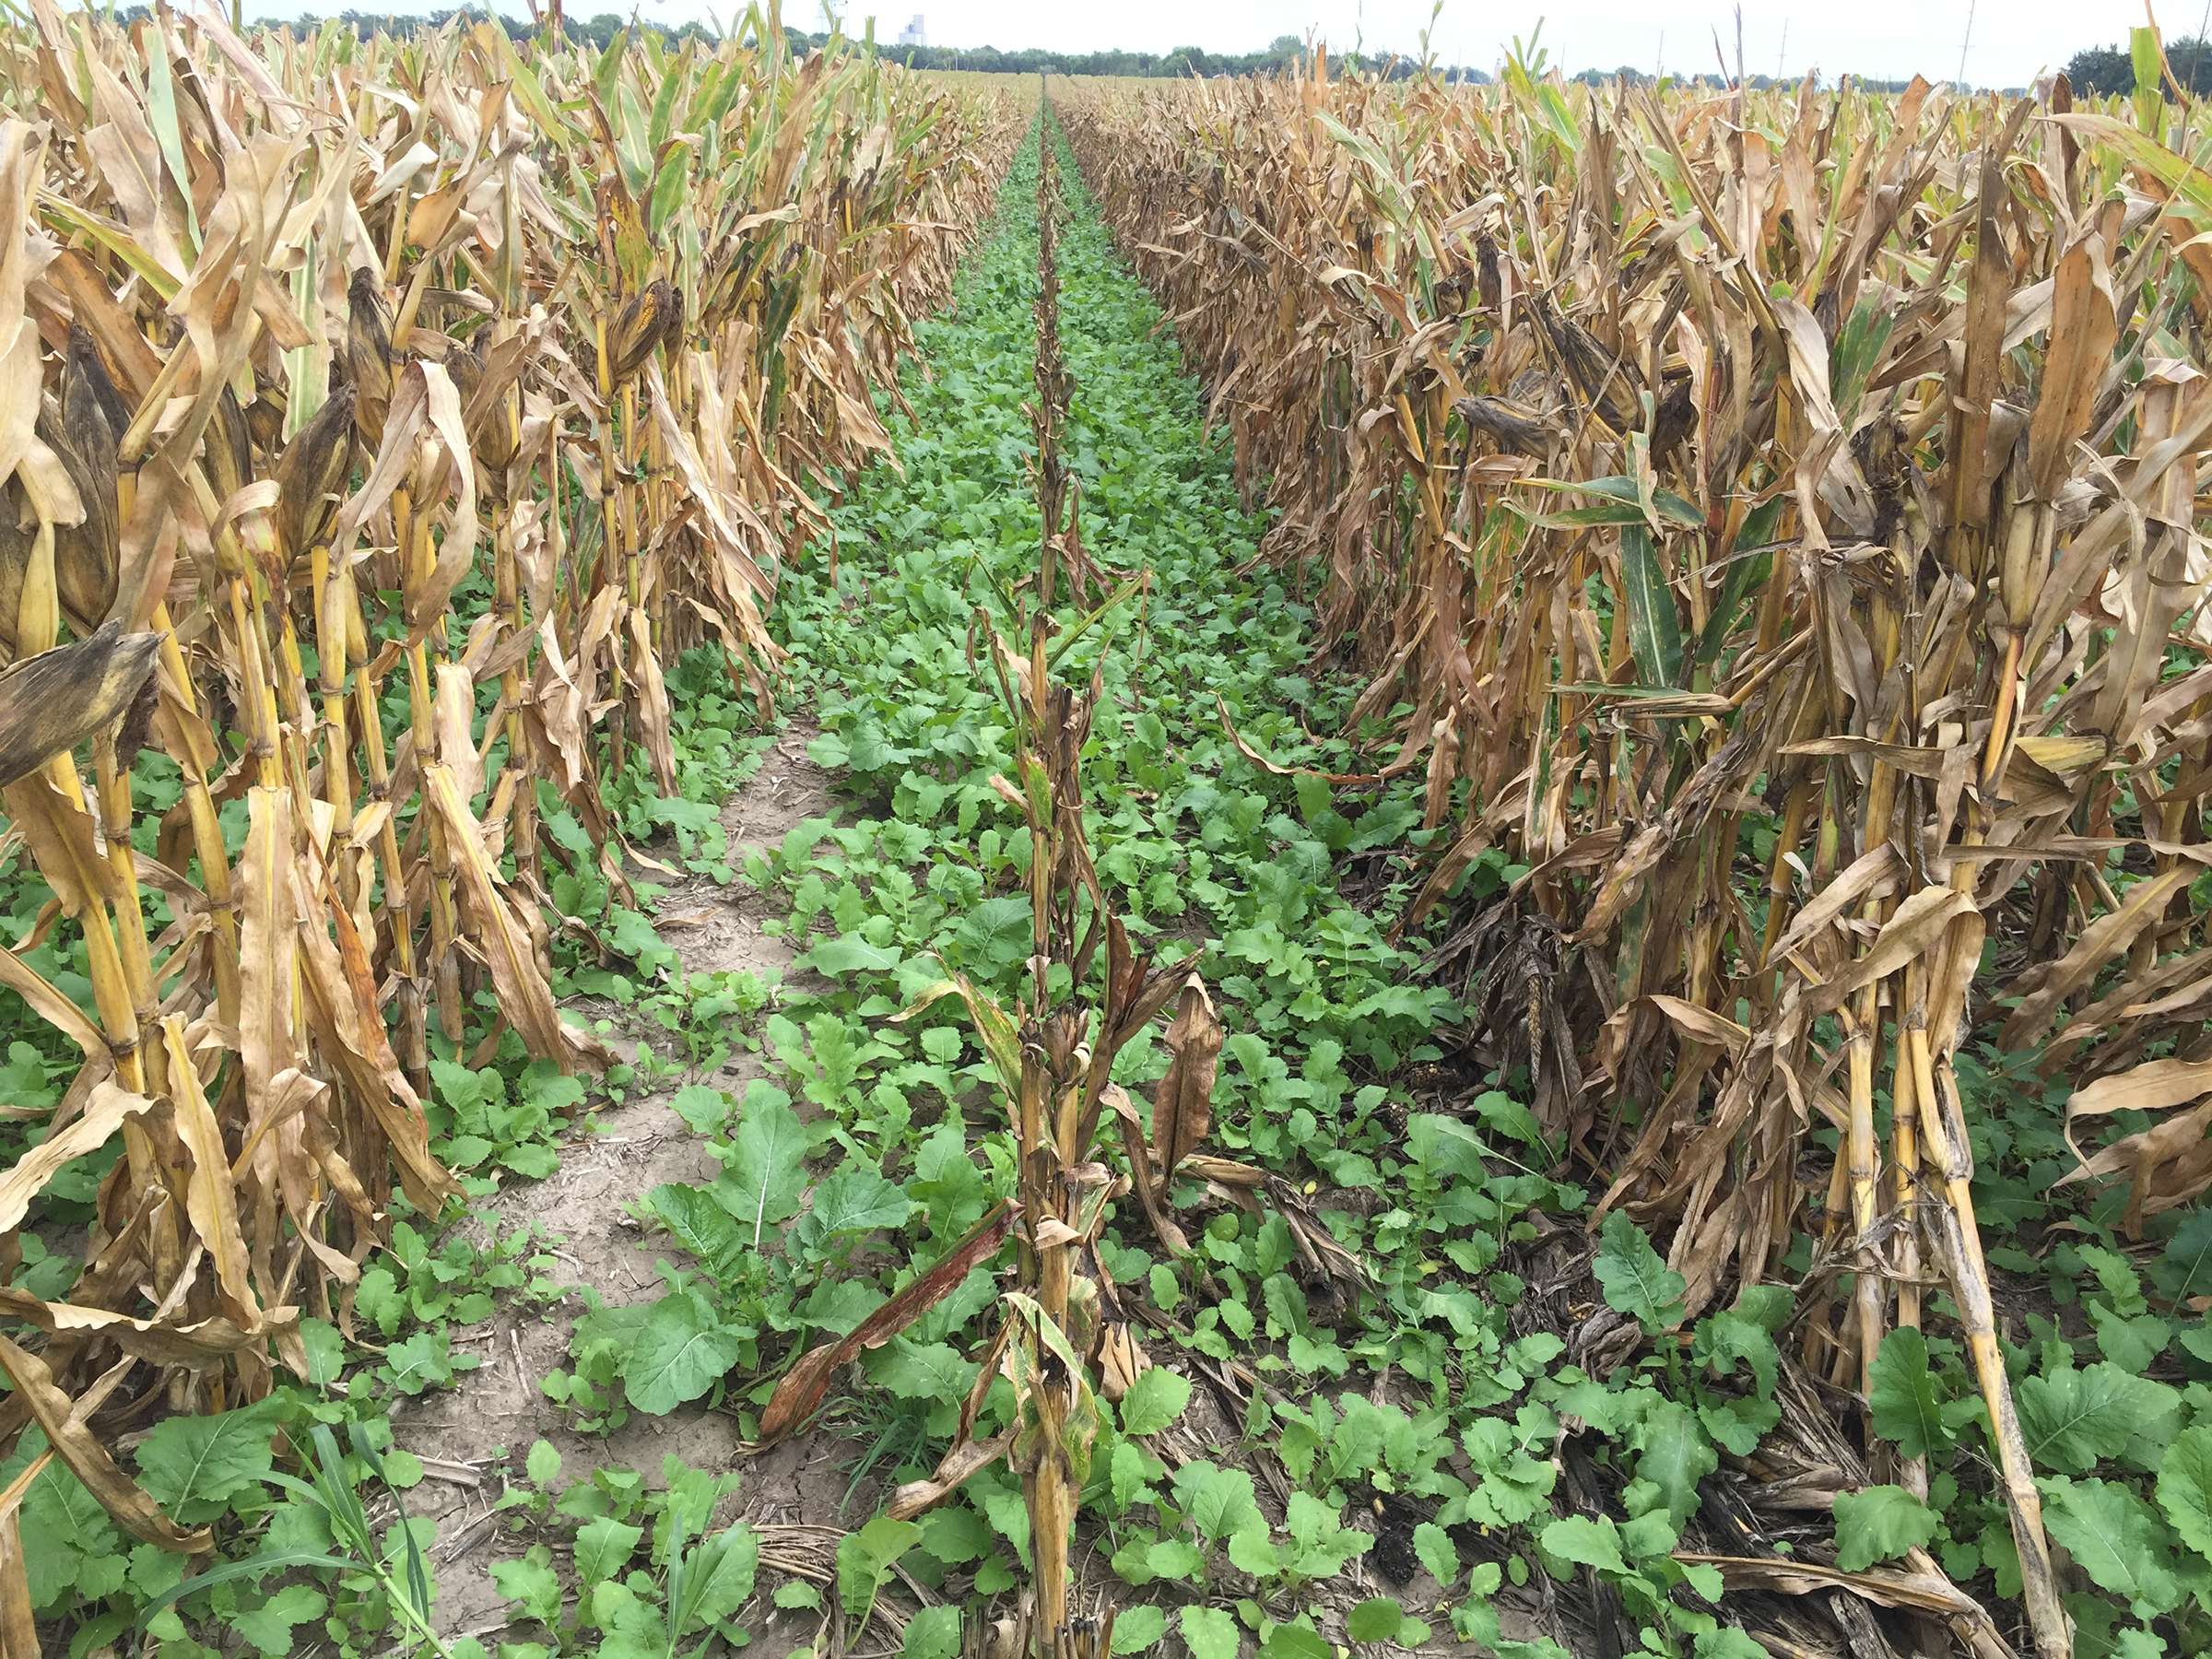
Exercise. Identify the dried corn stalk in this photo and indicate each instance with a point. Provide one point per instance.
(393, 412)
(1825, 464)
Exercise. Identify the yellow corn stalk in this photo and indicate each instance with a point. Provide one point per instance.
(372, 453)
(1668, 451)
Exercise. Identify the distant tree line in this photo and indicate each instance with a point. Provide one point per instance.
(1712, 82)
(2106, 69)
(1280, 54)
(601, 27)
(600, 30)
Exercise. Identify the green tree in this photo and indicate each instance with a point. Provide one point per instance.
(2098, 70)
(2190, 58)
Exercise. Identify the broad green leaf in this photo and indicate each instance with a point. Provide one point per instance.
(1210, 1633)
(852, 954)
(1878, 1523)
(955, 1534)
(2186, 1488)
(1251, 1550)
(933, 1633)
(269, 1626)
(2117, 1539)
(1154, 1400)
(679, 1353)
(1902, 1397)
(766, 1166)
(696, 1219)
(1446, 1145)
(1586, 1541)
(604, 1548)
(865, 1559)
(1174, 1559)
(325, 1352)
(1009, 1516)
(1319, 1542)
(402, 1469)
(68, 1540)
(703, 1109)
(1508, 1116)
(1674, 1456)
(630, 1627)
(1433, 1546)
(422, 1362)
(1727, 1643)
(192, 1465)
(1167, 1291)
(1729, 1339)
(855, 1200)
(1294, 1641)
(994, 933)
(1374, 1619)
(1220, 1501)
(1634, 1278)
(1648, 1536)
(2129, 1341)
(2072, 1419)
(2185, 1267)
(719, 1577)
(1138, 1628)
(1128, 1470)
(2137, 1644)
(531, 1583)
(543, 1465)
(922, 1370)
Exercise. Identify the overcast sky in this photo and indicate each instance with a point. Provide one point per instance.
(2011, 40)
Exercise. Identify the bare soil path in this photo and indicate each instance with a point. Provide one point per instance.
(474, 1437)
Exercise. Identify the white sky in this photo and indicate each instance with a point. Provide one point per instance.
(2011, 40)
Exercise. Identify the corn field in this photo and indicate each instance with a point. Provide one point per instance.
(1657, 688)
(1772, 520)
(383, 418)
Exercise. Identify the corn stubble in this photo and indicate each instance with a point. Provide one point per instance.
(1696, 460)
(380, 418)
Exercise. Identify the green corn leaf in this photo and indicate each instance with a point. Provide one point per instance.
(1655, 628)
